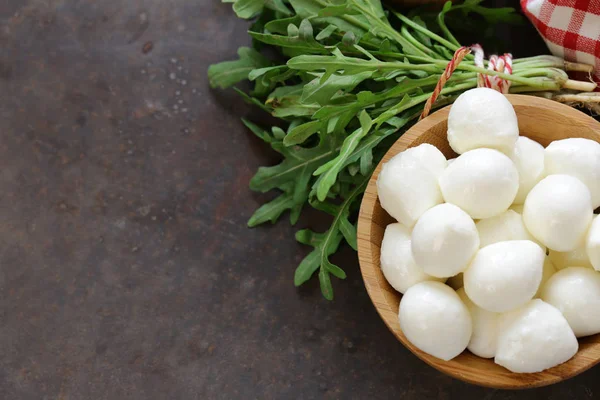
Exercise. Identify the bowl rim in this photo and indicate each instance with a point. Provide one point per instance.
(588, 353)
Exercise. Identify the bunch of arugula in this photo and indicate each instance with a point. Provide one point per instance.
(345, 84)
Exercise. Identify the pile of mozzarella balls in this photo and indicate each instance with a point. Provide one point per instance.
(497, 250)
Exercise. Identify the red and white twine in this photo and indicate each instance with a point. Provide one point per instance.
(502, 64)
(496, 63)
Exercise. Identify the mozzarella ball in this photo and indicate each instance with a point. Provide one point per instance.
(483, 182)
(444, 240)
(397, 263)
(482, 118)
(558, 212)
(506, 226)
(407, 185)
(485, 328)
(592, 244)
(573, 258)
(577, 157)
(528, 157)
(575, 291)
(456, 281)
(435, 320)
(428, 156)
(450, 161)
(505, 275)
(547, 273)
(534, 338)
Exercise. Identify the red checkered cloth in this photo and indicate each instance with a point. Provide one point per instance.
(571, 28)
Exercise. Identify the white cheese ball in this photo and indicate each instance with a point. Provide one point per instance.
(483, 182)
(482, 118)
(397, 263)
(547, 273)
(558, 212)
(407, 185)
(506, 226)
(534, 338)
(505, 275)
(577, 157)
(592, 244)
(456, 281)
(444, 241)
(485, 328)
(435, 320)
(528, 157)
(575, 291)
(573, 258)
(428, 156)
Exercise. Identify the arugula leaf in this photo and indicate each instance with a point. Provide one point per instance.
(346, 23)
(228, 73)
(247, 8)
(327, 243)
(320, 92)
(300, 133)
(344, 84)
(298, 161)
(331, 169)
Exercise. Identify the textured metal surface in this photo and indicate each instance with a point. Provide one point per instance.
(126, 269)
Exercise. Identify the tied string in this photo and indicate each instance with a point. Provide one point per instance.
(496, 63)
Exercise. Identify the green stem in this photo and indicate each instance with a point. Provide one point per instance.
(548, 85)
(426, 32)
(441, 19)
(404, 31)
(380, 27)
(421, 99)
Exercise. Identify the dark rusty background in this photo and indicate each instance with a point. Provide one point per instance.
(126, 269)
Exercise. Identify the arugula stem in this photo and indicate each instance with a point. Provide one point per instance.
(426, 31)
(441, 20)
(383, 27)
(404, 31)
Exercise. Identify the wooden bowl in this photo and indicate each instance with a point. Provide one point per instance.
(539, 119)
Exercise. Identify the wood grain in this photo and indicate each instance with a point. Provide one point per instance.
(539, 119)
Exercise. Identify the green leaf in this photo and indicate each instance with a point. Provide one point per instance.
(317, 91)
(272, 210)
(253, 100)
(296, 160)
(295, 43)
(311, 8)
(366, 162)
(325, 33)
(248, 8)
(256, 73)
(337, 11)
(278, 133)
(258, 131)
(327, 243)
(349, 232)
(277, 5)
(325, 283)
(305, 30)
(302, 132)
(228, 73)
(335, 270)
(331, 169)
(307, 267)
(280, 26)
